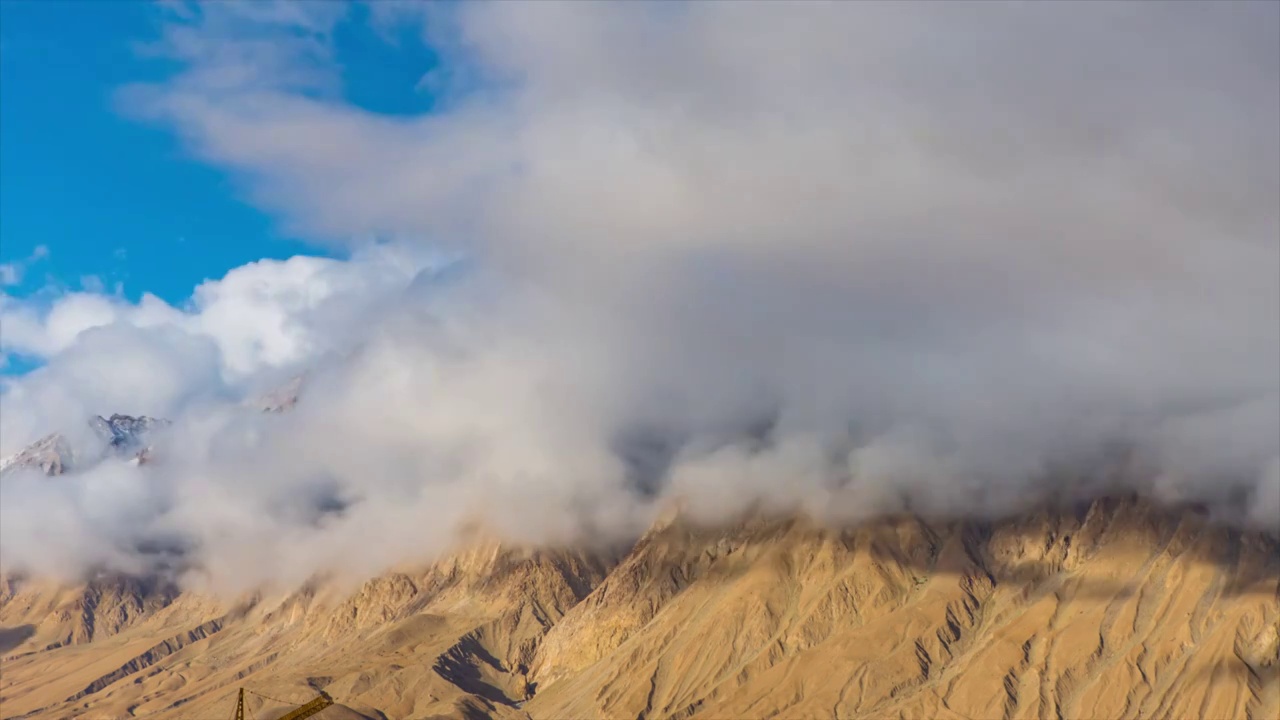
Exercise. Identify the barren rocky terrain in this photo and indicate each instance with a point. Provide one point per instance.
(1115, 609)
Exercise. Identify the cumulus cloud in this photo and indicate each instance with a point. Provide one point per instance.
(257, 324)
(849, 258)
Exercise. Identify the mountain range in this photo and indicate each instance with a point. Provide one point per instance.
(1115, 608)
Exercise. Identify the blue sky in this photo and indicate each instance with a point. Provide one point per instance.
(123, 201)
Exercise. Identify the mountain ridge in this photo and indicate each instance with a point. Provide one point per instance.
(123, 436)
(765, 616)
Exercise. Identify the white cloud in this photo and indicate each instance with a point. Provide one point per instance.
(263, 314)
(30, 329)
(11, 273)
(92, 284)
(918, 252)
(269, 316)
(141, 370)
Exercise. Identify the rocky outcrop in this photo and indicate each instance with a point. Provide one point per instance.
(124, 433)
(51, 455)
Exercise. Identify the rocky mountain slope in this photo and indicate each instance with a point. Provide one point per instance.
(1115, 609)
(51, 455)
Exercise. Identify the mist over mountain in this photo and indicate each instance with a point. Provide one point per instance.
(953, 261)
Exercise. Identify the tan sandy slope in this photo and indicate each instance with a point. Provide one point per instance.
(1117, 610)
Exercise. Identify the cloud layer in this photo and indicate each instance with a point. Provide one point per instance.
(846, 257)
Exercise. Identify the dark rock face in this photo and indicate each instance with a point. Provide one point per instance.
(125, 432)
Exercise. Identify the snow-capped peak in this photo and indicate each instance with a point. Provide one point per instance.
(123, 435)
